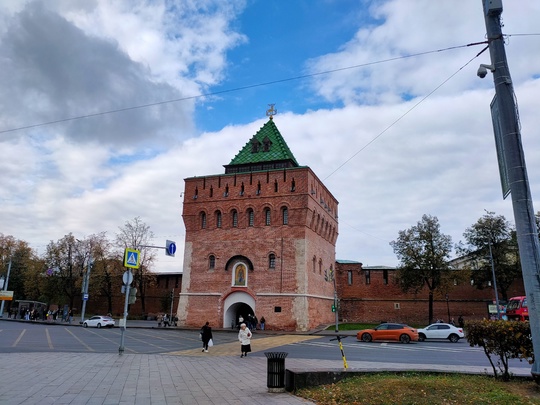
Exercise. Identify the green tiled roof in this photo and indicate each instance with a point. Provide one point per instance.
(270, 147)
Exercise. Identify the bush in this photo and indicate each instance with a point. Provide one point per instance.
(507, 340)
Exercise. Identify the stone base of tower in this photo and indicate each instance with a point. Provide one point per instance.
(282, 312)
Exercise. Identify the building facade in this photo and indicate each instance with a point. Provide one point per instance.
(259, 239)
(371, 294)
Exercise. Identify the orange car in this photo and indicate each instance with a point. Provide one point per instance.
(389, 331)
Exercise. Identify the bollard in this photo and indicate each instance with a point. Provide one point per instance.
(276, 371)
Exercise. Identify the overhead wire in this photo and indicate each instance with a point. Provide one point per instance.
(251, 86)
(406, 113)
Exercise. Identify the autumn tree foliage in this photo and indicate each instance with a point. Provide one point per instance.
(501, 341)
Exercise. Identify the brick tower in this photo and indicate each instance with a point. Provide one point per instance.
(259, 240)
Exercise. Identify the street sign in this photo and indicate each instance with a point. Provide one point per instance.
(131, 258)
(85, 297)
(170, 248)
(127, 278)
(6, 295)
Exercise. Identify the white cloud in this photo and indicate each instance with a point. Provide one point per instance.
(386, 162)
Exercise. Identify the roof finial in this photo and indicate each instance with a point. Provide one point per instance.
(271, 111)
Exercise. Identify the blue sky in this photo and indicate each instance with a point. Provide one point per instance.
(392, 141)
(280, 38)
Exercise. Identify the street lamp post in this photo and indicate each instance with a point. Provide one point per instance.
(448, 308)
(494, 281)
(86, 282)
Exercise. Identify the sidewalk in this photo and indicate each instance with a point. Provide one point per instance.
(185, 377)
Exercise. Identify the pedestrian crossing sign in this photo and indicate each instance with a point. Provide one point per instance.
(131, 258)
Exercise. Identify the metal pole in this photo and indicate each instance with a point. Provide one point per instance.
(85, 288)
(172, 302)
(5, 289)
(448, 308)
(527, 233)
(335, 301)
(494, 281)
(123, 328)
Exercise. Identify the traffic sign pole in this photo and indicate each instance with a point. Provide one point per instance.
(123, 327)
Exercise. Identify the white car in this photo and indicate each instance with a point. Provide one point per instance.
(98, 321)
(441, 331)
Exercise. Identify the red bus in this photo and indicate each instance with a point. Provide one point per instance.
(517, 310)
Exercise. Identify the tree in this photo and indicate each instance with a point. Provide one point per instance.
(424, 254)
(24, 261)
(107, 270)
(65, 266)
(492, 232)
(137, 235)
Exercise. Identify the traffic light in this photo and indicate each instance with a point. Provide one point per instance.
(132, 295)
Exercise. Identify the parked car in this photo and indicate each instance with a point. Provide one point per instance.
(98, 321)
(389, 331)
(441, 331)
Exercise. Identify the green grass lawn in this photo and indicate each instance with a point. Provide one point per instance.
(416, 388)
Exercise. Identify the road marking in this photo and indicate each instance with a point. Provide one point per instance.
(257, 345)
(397, 346)
(49, 338)
(19, 338)
(79, 340)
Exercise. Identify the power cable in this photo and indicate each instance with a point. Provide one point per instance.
(251, 86)
(405, 113)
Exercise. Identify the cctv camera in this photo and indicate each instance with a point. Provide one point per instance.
(482, 70)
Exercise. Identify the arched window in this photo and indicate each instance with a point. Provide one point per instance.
(320, 266)
(251, 217)
(293, 185)
(272, 261)
(218, 219)
(203, 220)
(267, 216)
(285, 215)
(275, 186)
(314, 264)
(211, 191)
(212, 262)
(234, 218)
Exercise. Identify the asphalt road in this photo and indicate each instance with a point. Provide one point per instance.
(25, 337)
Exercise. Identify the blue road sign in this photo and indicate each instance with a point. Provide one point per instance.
(170, 248)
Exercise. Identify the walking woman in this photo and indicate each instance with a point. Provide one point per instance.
(244, 336)
(206, 335)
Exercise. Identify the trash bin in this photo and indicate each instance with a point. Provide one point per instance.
(276, 371)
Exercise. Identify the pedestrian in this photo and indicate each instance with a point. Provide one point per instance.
(159, 320)
(244, 336)
(70, 316)
(240, 321)
(461, 322)
(206, 336)
(165, 321)
(263, 321)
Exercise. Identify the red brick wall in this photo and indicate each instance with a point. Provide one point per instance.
(311, 232)
(375, 302)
